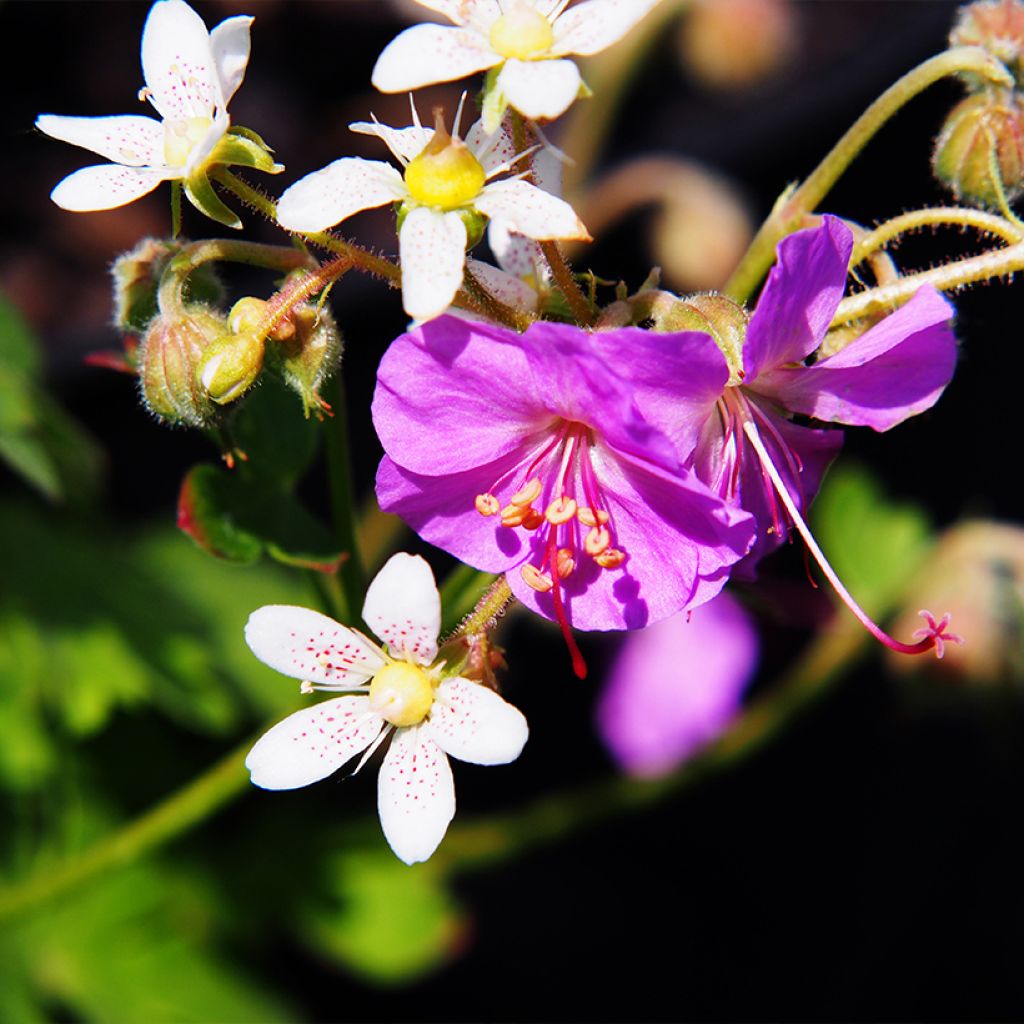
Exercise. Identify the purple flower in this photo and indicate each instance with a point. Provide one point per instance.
(676, 686)
(527, 452)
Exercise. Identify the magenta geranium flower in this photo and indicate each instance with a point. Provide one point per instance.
(527, 453)
(743, 440)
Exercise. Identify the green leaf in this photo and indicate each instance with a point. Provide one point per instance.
(872, 542)
(390, 922)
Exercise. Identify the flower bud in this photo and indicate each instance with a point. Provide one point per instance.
(997, 26)
(979, 153)
(137, 277)
(230, 366)
(172, 350)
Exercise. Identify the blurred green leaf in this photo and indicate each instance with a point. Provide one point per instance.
(391, 922)
(872, 542)
(38, 440)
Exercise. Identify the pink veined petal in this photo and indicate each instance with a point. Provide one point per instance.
(403, 608)
(304, 644)
(895, 370)
(128, 139)
(415, 795)
(799, 298)
(107, 186)
(404, 143)
(472, 723)
(177, 62)
(230, 45)
(528, 210)
(676, 686)
(432, 53)
(313, 743)
(540, 89)
(593, 26)
(326, 197)
(432, 253)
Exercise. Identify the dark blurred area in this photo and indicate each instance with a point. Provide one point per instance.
(866, 866)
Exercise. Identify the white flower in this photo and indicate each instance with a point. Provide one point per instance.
(447, 191)
(527, 39)
(395, 688)
(190, 75)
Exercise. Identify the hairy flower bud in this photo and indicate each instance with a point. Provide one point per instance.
(997, 26)
(231, 365)
(172, 351)
(979, 153)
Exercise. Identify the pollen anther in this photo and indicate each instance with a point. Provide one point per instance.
(565, 562)
(528, 494)
(597, 541)
(513, 515)
(533, 577)
(487, 504)
(592, 517)
(610, 558)
(534, 518)
(561, 510)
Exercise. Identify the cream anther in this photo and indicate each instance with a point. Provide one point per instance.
(533, 577)
(487, 505)
(565, 562)
(591, 517)
(528, 494)
(597, 541)
(561, 510)
(512, 515)
(610, 558)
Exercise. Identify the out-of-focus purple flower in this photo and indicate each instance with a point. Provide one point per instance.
(676, 686)
(527, 452)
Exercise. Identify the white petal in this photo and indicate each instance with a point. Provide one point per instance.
(202, 149)
(177, 62)
(492, 150)
(313, 743)
(415, 795)
(431, 53)
(432, 252)
(516, 254)
(474, 724)
(328, 196)
(403, 608)
(593, 26)
(463, 12)
(541, 89)
(404, 143)
(128, 139)
(229, 43)
(503, 284)
(529, 211)
(547, 170)
(107, 186)
(306, 645)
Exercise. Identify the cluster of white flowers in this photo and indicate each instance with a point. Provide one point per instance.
(448, 191)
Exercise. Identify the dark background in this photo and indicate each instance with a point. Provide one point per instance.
(866, 865)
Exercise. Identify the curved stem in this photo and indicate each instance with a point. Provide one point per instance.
(793, 205)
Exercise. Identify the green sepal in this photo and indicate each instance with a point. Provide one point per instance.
(494, 102)
(246, 150)
(201, 195)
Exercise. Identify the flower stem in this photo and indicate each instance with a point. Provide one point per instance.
(794, 204)
(492, 307)
(177, 814)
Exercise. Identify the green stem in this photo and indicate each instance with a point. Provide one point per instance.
(339, 473)
(794, 205)
(175, 208)
(175, 815)
(464, 587)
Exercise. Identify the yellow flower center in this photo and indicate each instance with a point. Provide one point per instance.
(401, 694)
(522, 32)
(182, 136)
(445, 174)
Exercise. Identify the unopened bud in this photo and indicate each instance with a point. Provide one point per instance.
(997, 26)
(720, 317)
(171, 352)
(979, 153)
(230, 366)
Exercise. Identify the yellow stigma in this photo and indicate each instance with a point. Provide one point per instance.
(445, 174)
(401, 693)
(522, 33)
(182, 136)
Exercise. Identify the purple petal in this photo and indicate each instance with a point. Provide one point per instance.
(679, 539)
(676, 686)
(452, 395)
(893, 371)
(799, 298)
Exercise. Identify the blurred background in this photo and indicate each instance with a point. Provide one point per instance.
(863, 861)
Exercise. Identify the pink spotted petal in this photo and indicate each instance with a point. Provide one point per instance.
(304, 644)
(540, 89)
(593, 26)
(432, 251)
(403, 608)
(431, 53)
(178, 64)
(528, 210)
(415, 795)
(107, 186)
(472, 723)
(128, 139)
(313, 743)
(480, 13)
(229, 43)
(404, 143)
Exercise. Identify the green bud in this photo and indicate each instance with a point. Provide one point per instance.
(230, 366)
(979, 153)
(997, 26)
(171, 352)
